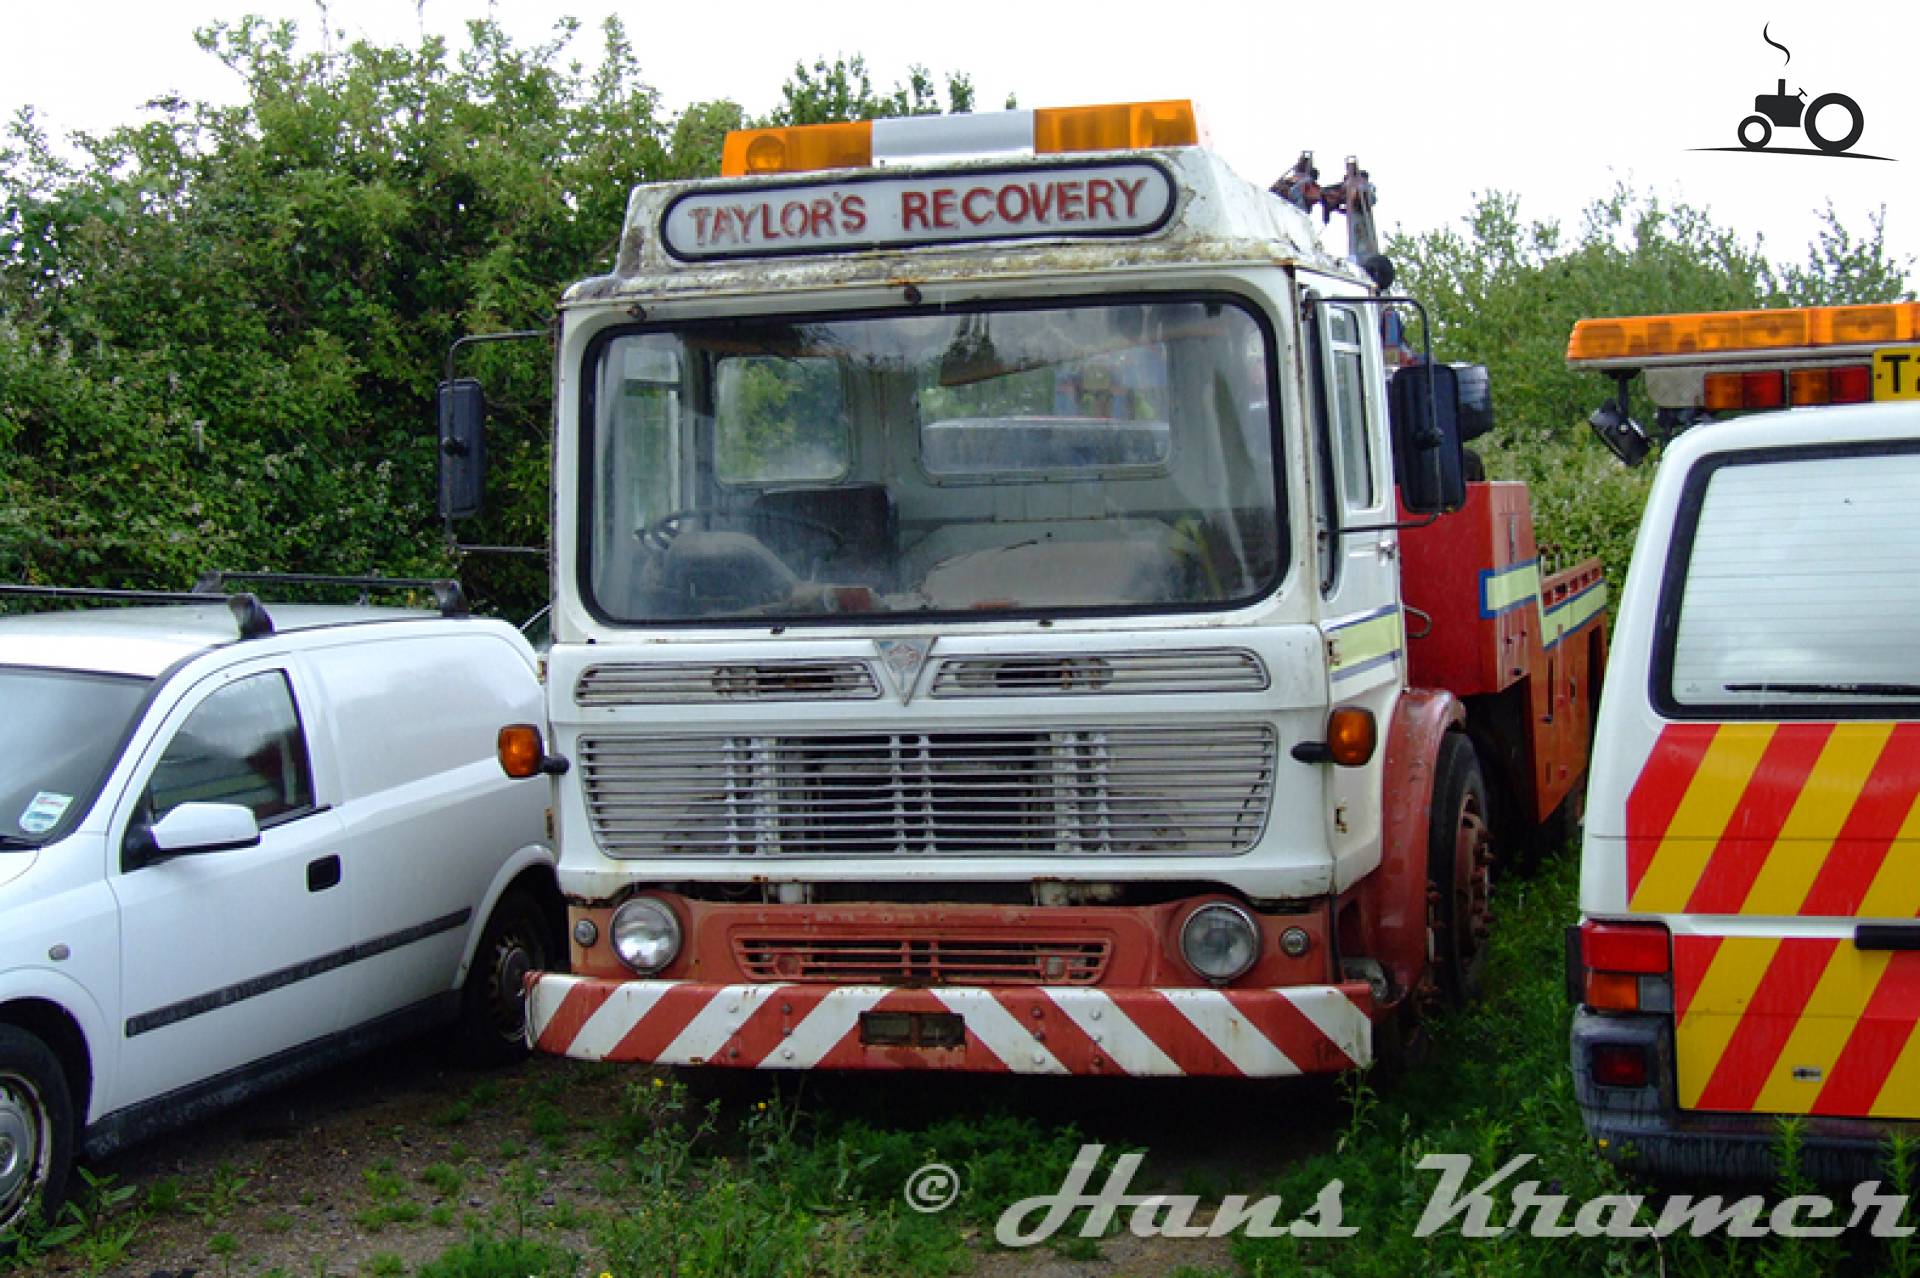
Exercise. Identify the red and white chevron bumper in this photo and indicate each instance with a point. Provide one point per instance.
(1255, 1033)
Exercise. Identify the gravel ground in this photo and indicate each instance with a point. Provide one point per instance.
(376, 1167)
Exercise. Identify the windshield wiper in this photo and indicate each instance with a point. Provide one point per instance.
(1832, 689)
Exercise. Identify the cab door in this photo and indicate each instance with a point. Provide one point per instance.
(229, 957)
(1358, 555)
(1774, 824)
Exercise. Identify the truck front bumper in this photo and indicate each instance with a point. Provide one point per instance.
(1260, 1033)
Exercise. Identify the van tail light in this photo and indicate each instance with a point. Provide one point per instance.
(1618, 1065)
(1625, 966)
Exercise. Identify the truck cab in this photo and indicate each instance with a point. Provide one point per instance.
(979, 623)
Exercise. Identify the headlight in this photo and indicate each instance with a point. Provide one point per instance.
(1220, 941)
(645, 934)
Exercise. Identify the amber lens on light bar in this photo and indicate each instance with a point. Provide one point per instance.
(1809, 386)
(520, 749)
(1643, 336)
(802, 148)
(1120, 127)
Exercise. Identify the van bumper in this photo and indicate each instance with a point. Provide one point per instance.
(1644, 1129)
(1011, 1029)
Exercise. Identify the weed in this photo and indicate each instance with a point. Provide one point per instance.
(164, 1197)
(226, 1247)
(383, 1264)
(441, 1216)
(483, 1257)
(443, 1178)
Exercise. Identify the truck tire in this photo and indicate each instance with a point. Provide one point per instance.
(1856, 122)
(518, 939)
(1459, 869)
(36, 1128)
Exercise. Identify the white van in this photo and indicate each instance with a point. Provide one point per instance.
(235, 846)
(1750, 885)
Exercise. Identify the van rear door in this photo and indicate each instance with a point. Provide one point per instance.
(1774, 824)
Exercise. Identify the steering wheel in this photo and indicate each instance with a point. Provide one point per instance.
(664, 529)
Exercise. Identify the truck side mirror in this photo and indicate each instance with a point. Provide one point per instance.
(1429, 462)
(460, 414)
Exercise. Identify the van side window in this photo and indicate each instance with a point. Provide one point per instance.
(242, 745)
(1792, 590)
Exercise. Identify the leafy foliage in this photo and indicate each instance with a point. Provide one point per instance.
(220, 329)
(1506, 292)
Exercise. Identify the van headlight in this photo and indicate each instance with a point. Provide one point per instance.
(645, 934)
(1220, 941)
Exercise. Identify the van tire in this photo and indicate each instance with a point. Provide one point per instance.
(1459, 870)
(518, 939)
(36, 1129)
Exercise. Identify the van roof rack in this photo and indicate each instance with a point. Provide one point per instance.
(249, 614)
(447, 593)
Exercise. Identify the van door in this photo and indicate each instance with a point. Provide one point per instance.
(230, 957)
(1774, 823)
(430, 819)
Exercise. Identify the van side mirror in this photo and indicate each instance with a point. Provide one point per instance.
(460, 412)
(188, 829)
(1429, 462)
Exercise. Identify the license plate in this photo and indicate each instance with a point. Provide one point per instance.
(1896, 373)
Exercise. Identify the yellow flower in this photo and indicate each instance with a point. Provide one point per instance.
(657, 1083)
(760, 1105)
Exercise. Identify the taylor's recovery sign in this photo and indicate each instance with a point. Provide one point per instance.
(1129, 198)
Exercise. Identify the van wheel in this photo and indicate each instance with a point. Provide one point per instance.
(36, 1128)
(1459, 871)
(517, 940)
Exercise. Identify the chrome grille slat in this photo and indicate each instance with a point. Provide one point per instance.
(1108, 674)
(697, 682)
(1121, 790)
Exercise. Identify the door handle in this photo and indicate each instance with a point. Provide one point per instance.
(323, 874)
(1887, 936)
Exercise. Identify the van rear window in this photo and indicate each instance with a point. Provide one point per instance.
(1792, 590)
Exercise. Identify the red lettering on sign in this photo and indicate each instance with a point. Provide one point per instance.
(1070, 197)
(766, 223)
(1099, 198)
(793, 219)
(982, 194)
(821, 220)
(853, 213)
(1042, 203)
(913, 204)
(943, 201)
(700, 217)
(1021, 208)
(1131, 190)
(722, 226)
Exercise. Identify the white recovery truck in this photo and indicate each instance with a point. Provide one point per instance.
(1003, 619)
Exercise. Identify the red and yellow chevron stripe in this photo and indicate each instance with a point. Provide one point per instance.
(1783, 819)
(1796, 1025)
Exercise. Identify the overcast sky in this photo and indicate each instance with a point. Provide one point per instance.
(1555, 103)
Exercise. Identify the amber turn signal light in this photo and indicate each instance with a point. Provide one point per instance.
(1351, 736)
(521, 750)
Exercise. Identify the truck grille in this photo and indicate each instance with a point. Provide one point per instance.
(1117, 790)
(1114, 674)
(923, 960)
(679, 682)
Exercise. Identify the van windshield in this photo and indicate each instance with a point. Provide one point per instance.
(64, 730)
(1094, 455)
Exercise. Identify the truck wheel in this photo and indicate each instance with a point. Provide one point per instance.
(36, 1128)
(1459, 865)
(518, 939)
(1755, 142)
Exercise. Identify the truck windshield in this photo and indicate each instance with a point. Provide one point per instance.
(64, 729)
(1092, 455)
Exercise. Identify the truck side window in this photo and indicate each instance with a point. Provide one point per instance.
(1349, 409)
(241, 745)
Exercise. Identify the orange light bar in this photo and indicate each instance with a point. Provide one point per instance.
(1809, 386)
(1717, 332)
(800, 148)
(806, 148)
(1123, 126)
